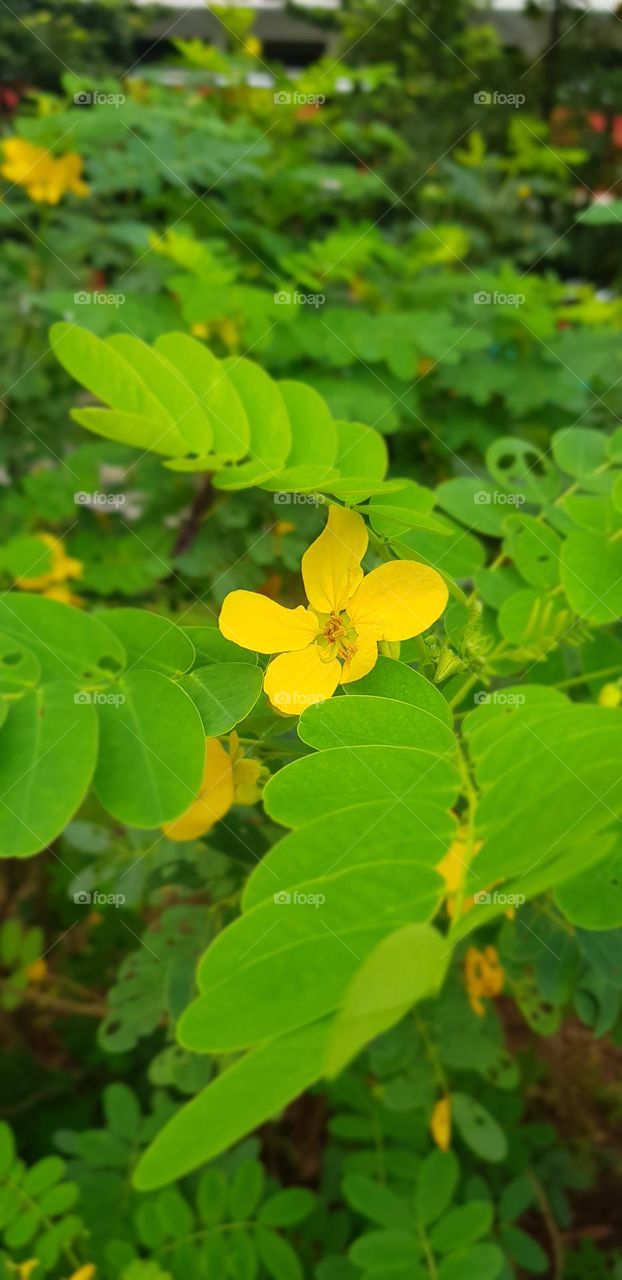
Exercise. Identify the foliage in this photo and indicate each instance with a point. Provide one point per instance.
(292, 996)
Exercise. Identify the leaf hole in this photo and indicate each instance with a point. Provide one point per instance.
(11, 659)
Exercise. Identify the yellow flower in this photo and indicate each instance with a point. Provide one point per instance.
(84, 1273)
(484, 977)
(440, 1123)
(24, 1270)
(199, 330)
(45, 177)
(52, 583)
(336, 638)
(213, 801)
(610, 695)
(228, 778)
(36, 971)
(253, 47)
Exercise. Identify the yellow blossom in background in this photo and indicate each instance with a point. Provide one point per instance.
(86, 1272)
(36, 971)
(253, 47)
(53, 583)
(440, 1123)
(336, 638)
(610, 695)
(45, 178)
(484, 977)
(282, 527)
(199, 330)
(24, 1270)
(228, 778)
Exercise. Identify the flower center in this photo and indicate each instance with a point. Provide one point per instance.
(338, 638)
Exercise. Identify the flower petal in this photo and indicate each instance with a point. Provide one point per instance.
(294, 681)
(256, 622)
(331, 567)
(398, 600)
(363, 661)
(213, 801)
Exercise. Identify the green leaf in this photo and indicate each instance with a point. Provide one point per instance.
(122, 1111)
(436, 1182)
(477, 1128)
(462, 1226)
(214, 390)
(19, 669)
(246, 1190)
(593, 899)
(535, 550)
(277, 1255)
(579, 451)
(212, 1197)
(271, 438)
(49, 747)
(106, 373)
(150, 641)
(378, 1203)
(66, 642)
(289, 961)
(169, 385)
(7, 1149)
(364, 720)
(286, 1208)
(241, 1098)
(481, 1262)
(152, 750)
(211, 646)
(592, 575)
(314, 435)
(388, 1249)
(392, 679)
(343, 776)
(355, 836)
(406, 967)
(223, 694)
(478, 504)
